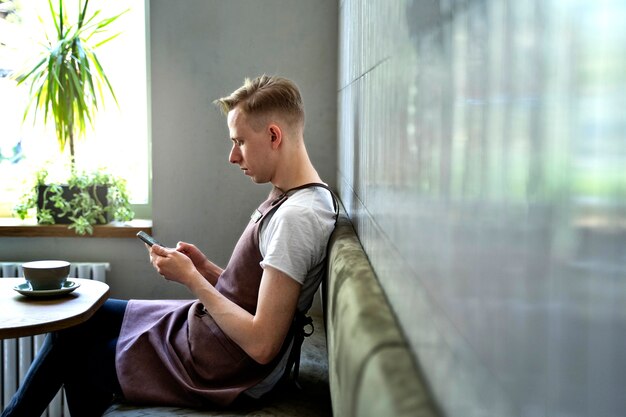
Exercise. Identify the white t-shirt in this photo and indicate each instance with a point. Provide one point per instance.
(293, 240)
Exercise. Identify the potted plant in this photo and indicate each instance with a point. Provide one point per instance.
(87, 199)
(67, 83)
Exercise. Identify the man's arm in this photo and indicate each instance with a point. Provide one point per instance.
(260, 335)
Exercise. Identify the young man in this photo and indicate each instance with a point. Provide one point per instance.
(234, 338)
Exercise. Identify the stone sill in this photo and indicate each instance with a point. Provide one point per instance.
(12, 227)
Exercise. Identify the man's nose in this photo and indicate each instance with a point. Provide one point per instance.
(235, 155)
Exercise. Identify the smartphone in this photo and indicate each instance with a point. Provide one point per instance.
(148, 239)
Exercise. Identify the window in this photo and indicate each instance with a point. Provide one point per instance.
(119, 137)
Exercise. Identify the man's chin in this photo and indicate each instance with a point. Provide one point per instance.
(257, 180)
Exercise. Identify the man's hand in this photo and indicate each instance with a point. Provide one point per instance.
(207, 269)
(197, 257)
(172, 264)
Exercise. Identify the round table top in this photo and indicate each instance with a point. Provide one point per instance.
(26, 316)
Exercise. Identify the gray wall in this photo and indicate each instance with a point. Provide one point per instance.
(482, 159)
(201, 50)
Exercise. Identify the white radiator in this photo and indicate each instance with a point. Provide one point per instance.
(17, 354)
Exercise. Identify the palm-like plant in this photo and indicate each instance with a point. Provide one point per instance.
(68, 82)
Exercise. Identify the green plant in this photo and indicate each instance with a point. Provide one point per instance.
(82, 205)
(67, 82)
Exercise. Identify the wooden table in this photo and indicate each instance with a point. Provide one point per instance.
(27, 316)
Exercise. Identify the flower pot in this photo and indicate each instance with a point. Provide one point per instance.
(97, 193)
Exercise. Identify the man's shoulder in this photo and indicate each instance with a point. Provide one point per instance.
(304, 206)
(311, 197)
(293, 212)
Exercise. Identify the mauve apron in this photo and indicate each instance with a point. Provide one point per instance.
(172, 352)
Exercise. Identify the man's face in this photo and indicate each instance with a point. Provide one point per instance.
(251, 149)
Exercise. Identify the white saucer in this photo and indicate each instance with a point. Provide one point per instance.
(25, 289)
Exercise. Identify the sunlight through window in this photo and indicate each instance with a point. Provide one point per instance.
(118, 139)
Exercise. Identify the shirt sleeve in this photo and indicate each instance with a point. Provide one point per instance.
(293, 241)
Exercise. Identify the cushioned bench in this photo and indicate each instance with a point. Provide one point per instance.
(371, 369)
(356, 362)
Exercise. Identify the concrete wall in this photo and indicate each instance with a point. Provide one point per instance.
(201, 50)
(482, 159)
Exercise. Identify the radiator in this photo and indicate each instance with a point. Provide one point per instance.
(17, 354)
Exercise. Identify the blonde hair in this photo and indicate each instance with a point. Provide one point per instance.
(266, 95)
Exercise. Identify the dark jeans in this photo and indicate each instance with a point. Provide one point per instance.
(82, 360)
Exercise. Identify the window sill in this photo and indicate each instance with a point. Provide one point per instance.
(11, 227)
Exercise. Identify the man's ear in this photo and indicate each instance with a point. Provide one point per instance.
(276, 135)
